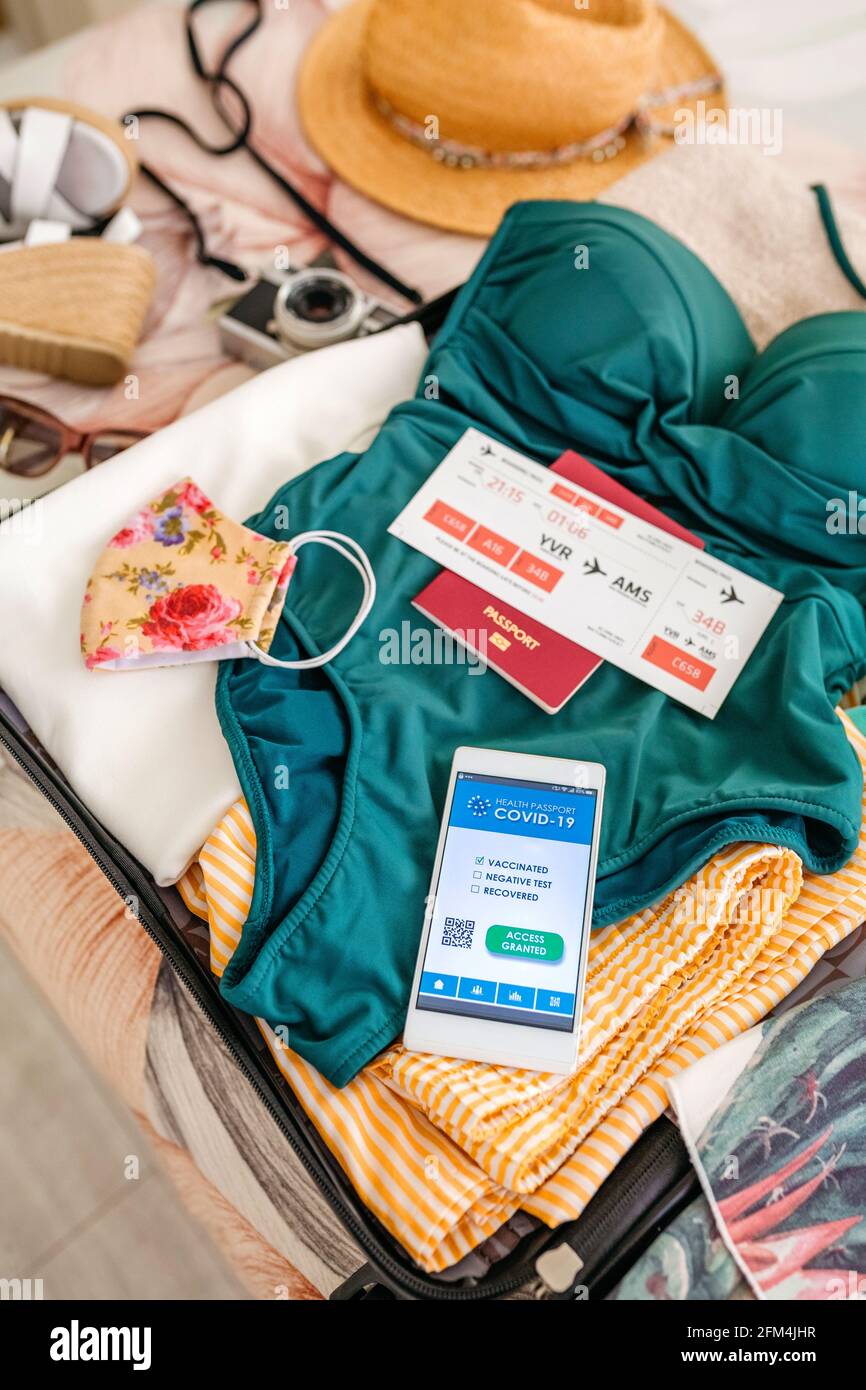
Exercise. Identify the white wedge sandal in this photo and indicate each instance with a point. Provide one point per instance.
(69, 306)
(62, 163)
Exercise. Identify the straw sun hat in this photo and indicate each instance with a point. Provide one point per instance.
(449, 111)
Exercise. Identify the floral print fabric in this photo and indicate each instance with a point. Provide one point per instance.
(774, 1121)
(180, 582)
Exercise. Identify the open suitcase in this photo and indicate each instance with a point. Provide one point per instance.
(649, 1187)
(582, 1258)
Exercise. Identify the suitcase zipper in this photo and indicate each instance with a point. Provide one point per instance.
(593, 1228)
(404, 1280)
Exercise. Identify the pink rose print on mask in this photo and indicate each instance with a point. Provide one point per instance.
(102, 654)
(139, 529)
(192, 618)
(286, 572)
(191, 495)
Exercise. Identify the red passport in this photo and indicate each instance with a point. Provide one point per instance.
(542, 664)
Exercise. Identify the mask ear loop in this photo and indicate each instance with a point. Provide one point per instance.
(351, 551)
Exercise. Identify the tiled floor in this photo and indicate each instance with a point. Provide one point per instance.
(85, 1206)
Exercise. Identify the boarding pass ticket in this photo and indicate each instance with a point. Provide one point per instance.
(675, 617)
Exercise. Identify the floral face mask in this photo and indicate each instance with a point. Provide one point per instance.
(182, 582)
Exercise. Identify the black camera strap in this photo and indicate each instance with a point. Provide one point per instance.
(221, 83)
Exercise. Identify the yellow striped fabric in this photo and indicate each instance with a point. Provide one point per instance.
(219, 885)
(444, 1151)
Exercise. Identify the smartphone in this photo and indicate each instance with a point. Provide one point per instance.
(502, 962)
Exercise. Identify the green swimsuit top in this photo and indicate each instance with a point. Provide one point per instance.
(642, 362)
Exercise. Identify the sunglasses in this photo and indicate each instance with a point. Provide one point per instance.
(33, 441)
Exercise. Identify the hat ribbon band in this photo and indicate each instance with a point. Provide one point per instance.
(605, 145)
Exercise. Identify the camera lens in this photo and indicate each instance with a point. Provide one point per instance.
(319, 300)
(318, 307)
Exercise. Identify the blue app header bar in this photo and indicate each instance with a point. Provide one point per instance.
(543, 814)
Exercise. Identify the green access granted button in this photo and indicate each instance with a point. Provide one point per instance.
(519, 941)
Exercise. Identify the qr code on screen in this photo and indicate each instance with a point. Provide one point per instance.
(458, 932)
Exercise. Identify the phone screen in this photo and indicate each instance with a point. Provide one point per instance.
(506, 935)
